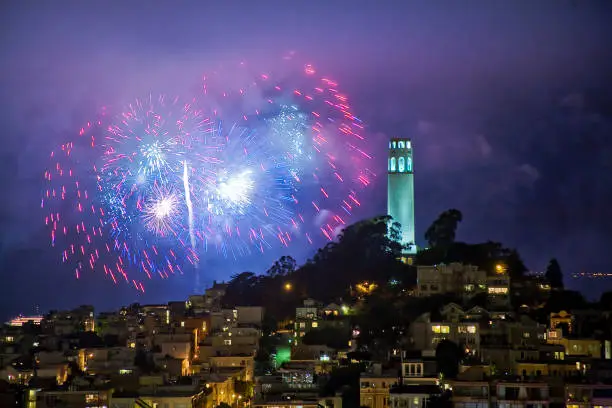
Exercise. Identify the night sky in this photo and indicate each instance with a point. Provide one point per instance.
(509, 105)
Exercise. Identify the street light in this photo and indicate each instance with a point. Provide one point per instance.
(288, 286)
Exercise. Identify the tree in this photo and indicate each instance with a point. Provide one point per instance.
(554, 274)
(443, 230)
(335, 338)
(284, 266)
(448, 356)
(605, 302)
(144, 362)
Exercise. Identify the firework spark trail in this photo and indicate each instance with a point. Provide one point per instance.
(189, 204)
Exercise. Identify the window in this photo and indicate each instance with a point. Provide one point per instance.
(467, 329)
(392, 164)
(498, 291)
(401, 145)
(408, 164)
(394, 145)
(302, 325)
(315, 325)
(227, 342)
(440, 329)
(401, 165)
(91, 398)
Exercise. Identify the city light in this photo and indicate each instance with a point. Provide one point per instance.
(366, 288)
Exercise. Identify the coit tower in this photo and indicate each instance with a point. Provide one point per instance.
(400, 190)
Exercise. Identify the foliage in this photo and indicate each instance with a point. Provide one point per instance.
(365, 251)
(369, 251)
(441, 234)
(347, 378)
(448, 356)
(384, 318)
(605, 301)
(554, 274)
(565, 300)
(331, 337)
(144, 362)
(484, 255)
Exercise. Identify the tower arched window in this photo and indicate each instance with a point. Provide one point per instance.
(401, 145)
(392, 164)
(394, 144)
(408, 164)
(401, 165)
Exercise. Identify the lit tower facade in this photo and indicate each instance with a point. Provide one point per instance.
(400, 190)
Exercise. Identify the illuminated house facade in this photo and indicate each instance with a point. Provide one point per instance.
(400, 191)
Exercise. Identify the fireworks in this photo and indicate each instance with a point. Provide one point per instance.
(237, 170)
(160, 213)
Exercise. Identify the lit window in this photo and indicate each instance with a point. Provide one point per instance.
(227, 342)
(498, 291)
(401, 165)
(435, 329)
(401, 145)
(444, 329)
(315, 324)
(408, 164)
(182, 324)
(466, 329)
(91, 398)
(302, 325)
(392, 166)
(394, 145)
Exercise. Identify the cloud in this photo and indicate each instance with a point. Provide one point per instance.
(485, 147)
(573, 100)
(530, 171)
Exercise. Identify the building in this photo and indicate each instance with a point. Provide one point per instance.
(471, 394)
(451, 278)
(498, 288)
(576, 347)
(68, 398)
(413, 396)
(456, 325)
(512, 393)
(562, 318)
(400, 191)
(374, 389)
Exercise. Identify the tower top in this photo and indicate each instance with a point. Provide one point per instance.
(400, 143)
